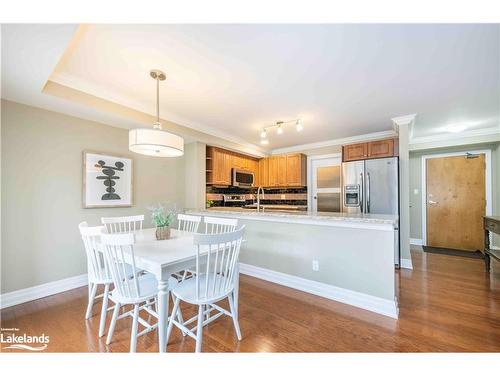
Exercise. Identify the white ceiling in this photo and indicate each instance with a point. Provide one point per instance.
(230, 80)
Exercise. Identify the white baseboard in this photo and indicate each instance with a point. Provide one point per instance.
(406, 263)
(350, 297)
(29, 294)
(416, 241)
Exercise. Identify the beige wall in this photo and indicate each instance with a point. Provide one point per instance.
(416, 182)
(41, 187)
(195, 175)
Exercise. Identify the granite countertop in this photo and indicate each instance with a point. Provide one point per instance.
(305, 217)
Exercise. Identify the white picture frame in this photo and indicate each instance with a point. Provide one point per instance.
(107, 180)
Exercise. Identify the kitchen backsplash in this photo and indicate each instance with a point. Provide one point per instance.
(292, 196)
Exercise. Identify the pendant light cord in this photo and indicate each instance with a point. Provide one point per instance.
(157, 124)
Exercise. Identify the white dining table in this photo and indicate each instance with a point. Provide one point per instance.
(162, 259)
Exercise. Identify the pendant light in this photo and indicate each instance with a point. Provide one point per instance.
(156, 142)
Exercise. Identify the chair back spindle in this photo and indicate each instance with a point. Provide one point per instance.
(188, 223)
(216, 225)
(97, 267)
(216, 259)
(119, 251)
(123, 224)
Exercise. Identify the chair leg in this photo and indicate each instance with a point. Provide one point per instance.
(88, 313)
(234, 316)
(104, 310)
(180, 318)
(199, 329)
(133, 335)
(116, 311)
(171, 320)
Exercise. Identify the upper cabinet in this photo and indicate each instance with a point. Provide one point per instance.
(220, 163)
(370, 150)
(296, 167)
(282, 171)
(277, 171)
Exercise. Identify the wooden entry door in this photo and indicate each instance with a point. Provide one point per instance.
(456, 202)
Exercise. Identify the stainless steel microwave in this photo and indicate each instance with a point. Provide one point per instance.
(242, 178)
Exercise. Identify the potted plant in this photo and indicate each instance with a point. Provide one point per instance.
(162, 218)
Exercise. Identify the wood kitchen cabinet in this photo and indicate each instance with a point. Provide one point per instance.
(220, 163)
(263, 172)
(370, 150)
(277, 171)
(296, 166)
(381, 149)
(355, 152)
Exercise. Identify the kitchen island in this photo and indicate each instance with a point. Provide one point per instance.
(344, 257)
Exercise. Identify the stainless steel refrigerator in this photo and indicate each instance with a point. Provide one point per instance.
(372, 187)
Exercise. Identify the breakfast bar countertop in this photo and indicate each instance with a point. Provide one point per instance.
(382, 222)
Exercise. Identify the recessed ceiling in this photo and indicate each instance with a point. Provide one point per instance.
(342, 80)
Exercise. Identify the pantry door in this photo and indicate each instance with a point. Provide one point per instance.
(325, 184)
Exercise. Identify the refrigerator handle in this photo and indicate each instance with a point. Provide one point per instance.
(361, 192)
(367, 192)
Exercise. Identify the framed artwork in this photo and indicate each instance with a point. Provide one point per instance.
(107, 180)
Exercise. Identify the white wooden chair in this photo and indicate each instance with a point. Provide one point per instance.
(216, 225)
(123, 224)
(188, 223)
(137, 291)
(98, 273)
(214, 280)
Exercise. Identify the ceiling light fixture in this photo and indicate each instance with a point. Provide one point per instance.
(298, 126)
(280, 125)
(156, 142)
(280, 128)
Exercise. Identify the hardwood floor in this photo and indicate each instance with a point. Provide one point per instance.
(447, 304)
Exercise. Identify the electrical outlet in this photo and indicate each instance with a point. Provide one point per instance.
(315, 265)
(282, 196)
(415, 191)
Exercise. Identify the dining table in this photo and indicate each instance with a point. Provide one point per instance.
(163, 258)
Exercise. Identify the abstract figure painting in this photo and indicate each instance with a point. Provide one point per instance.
(107, 180)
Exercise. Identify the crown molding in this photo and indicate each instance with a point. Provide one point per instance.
(404, 120)
(336, 142)
(485, 135)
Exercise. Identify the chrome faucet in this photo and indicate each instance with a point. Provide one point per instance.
(258, 198)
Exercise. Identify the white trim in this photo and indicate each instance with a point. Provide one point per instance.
(492, 247)
(350, 297)
(465, 134)
(29, 294)
(488, 184)
(336, 142)
(406, 263)
(404, 120)
(416, 241)
(310, 160)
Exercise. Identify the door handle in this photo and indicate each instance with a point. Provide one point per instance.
(368, 192)
(432, 202)
(361, 192)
